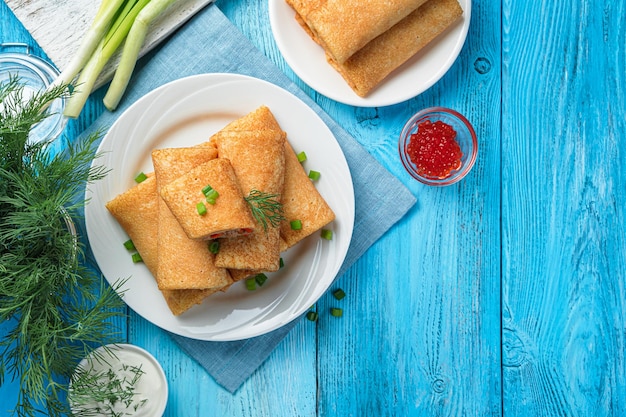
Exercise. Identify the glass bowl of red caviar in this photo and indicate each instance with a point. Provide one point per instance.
(438, 146)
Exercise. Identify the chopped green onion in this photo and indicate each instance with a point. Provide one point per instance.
(296, 224)
(312, 315)
(314, 175)
(201, 208)
(327, 234)
(301, 157)
(141, 177)
(260, 279)
(281, 263)
(336, 312)
(251, 284)
(210, 194)
(339, 294)
(212, 198)
(129, 245)
(137, 257)
(214, 247)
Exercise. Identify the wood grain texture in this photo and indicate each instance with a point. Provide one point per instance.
(502, 295)
(563, 212)
(420, 333)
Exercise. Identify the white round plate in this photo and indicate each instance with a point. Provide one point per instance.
(307, 59)
(187, 112)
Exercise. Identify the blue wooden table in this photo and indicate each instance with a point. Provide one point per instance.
(502, 295)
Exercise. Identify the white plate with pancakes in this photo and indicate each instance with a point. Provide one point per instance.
(308, 61)
(186, 112)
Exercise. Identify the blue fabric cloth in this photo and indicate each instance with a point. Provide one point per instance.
(209, 43)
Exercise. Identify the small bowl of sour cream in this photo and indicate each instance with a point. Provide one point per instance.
(119, 379)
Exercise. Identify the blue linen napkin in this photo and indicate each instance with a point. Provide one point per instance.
(209, 43)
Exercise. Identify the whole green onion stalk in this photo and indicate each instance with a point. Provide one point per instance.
(117, 22)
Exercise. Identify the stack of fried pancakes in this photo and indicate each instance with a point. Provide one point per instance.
(366, 40)
(251, 154)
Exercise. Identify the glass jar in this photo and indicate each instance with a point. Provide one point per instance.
(36, 74)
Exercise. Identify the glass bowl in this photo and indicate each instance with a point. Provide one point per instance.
(465, 137)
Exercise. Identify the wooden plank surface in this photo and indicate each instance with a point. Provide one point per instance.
(563, 213)
(530, 246)
(420, 333)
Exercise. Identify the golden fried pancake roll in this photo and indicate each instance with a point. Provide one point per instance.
(301, 201)
(258, 158)
(342, 27)
(137, 213)
(260, 119)
(184, 263)
(371, 65)
(208, 203)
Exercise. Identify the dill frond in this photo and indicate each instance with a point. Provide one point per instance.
(58, 307)
(265, 208)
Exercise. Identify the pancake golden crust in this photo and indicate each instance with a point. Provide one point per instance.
(301, 201)
(228, 216)
(136, 211)
(183, 263)
(258, 158)
(343, 27)
(367, 68)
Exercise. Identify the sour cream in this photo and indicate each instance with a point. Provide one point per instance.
(151, 388)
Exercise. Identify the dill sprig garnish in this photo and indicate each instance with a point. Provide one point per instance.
(111, 392)
(265, 208)
(56, 309)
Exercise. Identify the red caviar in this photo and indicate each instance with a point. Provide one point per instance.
(434, 150)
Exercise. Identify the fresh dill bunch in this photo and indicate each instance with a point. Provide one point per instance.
(17, 116)
(57, 308)
(265, 208)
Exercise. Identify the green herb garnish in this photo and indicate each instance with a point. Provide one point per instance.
(110, 392)
(339, 294)
(314, 175)
(260, 279)
(312, 316)
(53, 305)
(210, 194)
(141, 177)
(301, 157)
(250, 284)
(296, 224)
(214, 247)
(336, 312)
(265, 208)
(201, 208)
(326, 234)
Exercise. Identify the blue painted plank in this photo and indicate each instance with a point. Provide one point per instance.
(420, 335)
(563, 217)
